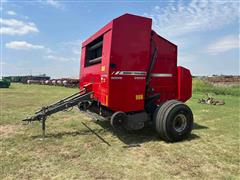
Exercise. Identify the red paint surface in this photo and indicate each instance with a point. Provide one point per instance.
(166, 63)
(184, 84)
(128, 43)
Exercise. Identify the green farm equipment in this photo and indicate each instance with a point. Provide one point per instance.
(4, 83)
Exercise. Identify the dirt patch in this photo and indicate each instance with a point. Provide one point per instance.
(89, 145)
(9, 130)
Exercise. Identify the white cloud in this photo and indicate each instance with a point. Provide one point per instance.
(53, 3)
(17, 27)
(48, 50)
(12, 13)
(59, 58)
(182, 17)
(223, 44)
(67, 51)
(23, 45)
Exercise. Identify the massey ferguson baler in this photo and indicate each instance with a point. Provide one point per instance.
(129, 74)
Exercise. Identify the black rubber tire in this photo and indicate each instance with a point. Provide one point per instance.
(118, 120)
(83, 106)
(157, 116)
(165, 121)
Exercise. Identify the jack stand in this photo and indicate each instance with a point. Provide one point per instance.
(43, 126)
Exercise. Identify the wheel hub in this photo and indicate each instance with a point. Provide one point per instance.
(179, 122)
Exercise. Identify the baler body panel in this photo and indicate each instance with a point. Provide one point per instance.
(184, 84)
(164, 73)
(117, 58)
(131, 37)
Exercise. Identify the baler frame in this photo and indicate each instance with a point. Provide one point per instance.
(129, 74)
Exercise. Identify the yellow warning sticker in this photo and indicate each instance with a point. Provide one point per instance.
(139, 97)
(103, 68)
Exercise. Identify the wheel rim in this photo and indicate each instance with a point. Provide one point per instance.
(179, 122)
(118, 121)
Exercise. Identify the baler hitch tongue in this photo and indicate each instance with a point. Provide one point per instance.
(64, 104)
(36, 117)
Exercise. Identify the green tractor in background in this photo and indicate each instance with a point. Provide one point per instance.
(4, 83)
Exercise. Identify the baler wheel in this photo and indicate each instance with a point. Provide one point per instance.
(83, 106)
(174, 121)
(118, 120)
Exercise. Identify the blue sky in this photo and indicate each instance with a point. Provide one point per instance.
(45, 36)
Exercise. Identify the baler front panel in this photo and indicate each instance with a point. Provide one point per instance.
(104, 85)
(95, 63)
(90, 74)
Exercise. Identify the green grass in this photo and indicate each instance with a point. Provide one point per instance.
(71, 151)
(201, 86)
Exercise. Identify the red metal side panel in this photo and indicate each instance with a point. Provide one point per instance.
(104, 86)
(90, 74)
(97, 74)
(184, 84)
(164, 73)
(130, 53)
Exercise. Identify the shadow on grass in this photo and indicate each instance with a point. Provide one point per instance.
(68, 133)
(146, 134)
(130, 138)
(198, 126)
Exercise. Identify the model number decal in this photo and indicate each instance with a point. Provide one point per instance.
(131, 73)
(116, 77)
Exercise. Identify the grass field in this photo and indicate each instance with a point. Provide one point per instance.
(71, 151)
